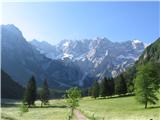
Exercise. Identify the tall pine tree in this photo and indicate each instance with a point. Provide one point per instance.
(120, 85)
(95, 89)
(111, 86)
(30, 92)
(104, 87)
(147, 83)
(44, 93)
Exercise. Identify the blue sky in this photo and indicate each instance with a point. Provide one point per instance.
(55, 21)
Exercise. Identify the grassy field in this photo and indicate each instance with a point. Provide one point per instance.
(123, 108)
(56, 111)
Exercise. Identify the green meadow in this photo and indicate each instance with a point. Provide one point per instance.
(55, 111)
(121, 108)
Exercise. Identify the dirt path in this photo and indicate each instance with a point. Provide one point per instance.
(79, 115)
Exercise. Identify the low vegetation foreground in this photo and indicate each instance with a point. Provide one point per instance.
(122, 108)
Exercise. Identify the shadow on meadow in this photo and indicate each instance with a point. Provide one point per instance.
(153, 107)
(51, 106)
(10, 105)
(116, 96)
(47, 106)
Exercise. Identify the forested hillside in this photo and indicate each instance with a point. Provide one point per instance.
(10, 89)
(150, 54)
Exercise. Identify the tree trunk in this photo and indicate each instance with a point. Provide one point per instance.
(41, 104)
(145, 104)
(72, 109)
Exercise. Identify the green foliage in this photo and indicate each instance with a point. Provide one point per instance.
(30, 93)
(84, 92)
(23, 109)
(104, 87)
(90, 91)
(72, 97)
(95, 89)
(44, 93)
(147, 83)
(120, 85)
(151, 53)
(111, 89)
(129, 76)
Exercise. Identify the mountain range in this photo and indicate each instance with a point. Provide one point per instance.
(21, 60)
(150, 54)
(97, 57)
(69, 63)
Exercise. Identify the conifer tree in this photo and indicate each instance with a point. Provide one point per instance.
(90, 91)
(111, 86)
(44, 93)
(147, 83)
(120, 85)
(104, 87)
(30, 92)
(95, 89)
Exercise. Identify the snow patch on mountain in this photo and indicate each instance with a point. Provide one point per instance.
(106, 53)
(66, 55)
(127, 57)
(135, 43)
(95, 56)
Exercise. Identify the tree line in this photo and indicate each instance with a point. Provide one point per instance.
(31, 95)
(108, 87)
(145, 85)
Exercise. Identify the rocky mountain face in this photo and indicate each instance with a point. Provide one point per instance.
(21, 60)
(97, 57)
(69, 63)
(150, 54)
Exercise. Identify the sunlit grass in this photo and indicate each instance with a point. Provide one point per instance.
(56, 111)
(123, 108)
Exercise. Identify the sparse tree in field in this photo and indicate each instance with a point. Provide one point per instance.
(23, 108)
(95, 89)
(30, 92)
(72, 97)
(120, 85)
(104, 86)
(44, 93)
(147, 83)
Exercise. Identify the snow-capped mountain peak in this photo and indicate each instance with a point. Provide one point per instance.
(98, 54)
(137, 43)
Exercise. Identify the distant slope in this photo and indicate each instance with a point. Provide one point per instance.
(9, 88)
(151, 53)
(21, 60)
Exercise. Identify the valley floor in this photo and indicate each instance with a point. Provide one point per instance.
(123, 108)
(56, 111)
